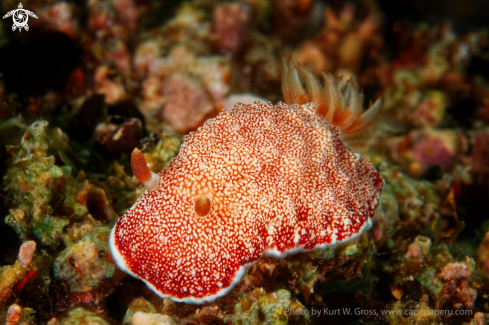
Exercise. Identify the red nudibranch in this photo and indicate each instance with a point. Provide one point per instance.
(258, 180)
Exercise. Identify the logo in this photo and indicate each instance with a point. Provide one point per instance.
(20, 16)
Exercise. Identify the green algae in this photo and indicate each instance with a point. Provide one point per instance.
(48, 229)
(430, 281)
(138, 304)
(80, 316)
(268, 309)
(31, 179)
(84, 264)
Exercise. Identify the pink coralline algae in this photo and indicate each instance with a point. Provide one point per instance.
(183, 87)
(26, 252)
(258, 180)
(230, 22)
(424, 148)
(188, 102)
(432, 152)
(457, 278)
(59, 17)
(115, 18)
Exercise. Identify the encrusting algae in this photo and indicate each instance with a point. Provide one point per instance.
(19, 273)
(85, 264)
(32, 179)
(54, 207)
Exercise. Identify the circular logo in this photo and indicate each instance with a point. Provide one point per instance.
(20, 18)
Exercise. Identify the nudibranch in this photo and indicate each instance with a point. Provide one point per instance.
(257, 180)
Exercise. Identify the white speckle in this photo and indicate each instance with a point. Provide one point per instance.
(297, 237)
(202, 165)
(163, 238)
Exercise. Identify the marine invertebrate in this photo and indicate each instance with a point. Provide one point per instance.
(339, 102)
(258, 180)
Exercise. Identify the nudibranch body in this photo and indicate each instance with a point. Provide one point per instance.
(258, 180)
